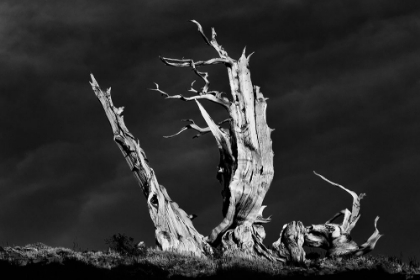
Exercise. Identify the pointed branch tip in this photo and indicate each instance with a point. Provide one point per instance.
(200, 29)
(93, 81)
(376, 220)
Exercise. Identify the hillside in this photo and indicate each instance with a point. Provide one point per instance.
(39, 260)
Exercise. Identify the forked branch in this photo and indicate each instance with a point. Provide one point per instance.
(187, 62)
(208, 96)
(192, 125)
(213, 43)
(222, 137)
(336, 238)
(349, 220)
(369, 245)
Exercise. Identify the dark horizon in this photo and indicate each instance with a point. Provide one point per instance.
(343, 82)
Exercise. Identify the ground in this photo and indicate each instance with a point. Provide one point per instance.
(40, 260)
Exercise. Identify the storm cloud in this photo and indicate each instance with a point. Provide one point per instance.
(342, 78)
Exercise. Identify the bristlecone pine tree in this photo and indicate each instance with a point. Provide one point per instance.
(245, 172)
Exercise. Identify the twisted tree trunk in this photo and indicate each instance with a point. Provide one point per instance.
(245, 172)
(335, 238)
(174, 229)
(246, 157)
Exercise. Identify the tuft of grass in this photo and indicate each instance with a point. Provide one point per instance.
(158, 264)
(413, 263)
(125, 245)
(181, 264)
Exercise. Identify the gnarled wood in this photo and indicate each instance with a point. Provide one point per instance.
(335, 238)
(174, 229)
(290, 243)
(245, 169)
(245, 172)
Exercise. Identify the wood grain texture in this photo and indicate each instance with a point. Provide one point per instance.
(245, 168)
(245, 172)
(174, 229)
(290, 243)
(335, 238)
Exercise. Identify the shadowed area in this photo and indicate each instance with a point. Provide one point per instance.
(51, 263)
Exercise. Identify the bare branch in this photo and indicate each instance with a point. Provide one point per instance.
(260, 219)
(192, 125)
(200, 29)
(174, 229)
(350, 221)
(249, 56)
(369, 245)
(224, 59)
(192, 89)
(187, 62)
(213, 42)
(335, 216)
(209, 96)
(204, 76)
(222, 140)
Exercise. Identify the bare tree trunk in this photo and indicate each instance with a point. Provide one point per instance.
(245, 172)
(246, 156)
(174, 229)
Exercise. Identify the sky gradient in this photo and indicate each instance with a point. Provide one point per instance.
(343, 82)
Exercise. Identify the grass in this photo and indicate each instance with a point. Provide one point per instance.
(52, 263)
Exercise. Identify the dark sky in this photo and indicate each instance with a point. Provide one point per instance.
(342, 78)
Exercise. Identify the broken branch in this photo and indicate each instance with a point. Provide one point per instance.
(369, 245)
(174, 229)
(221, 101)
(350, 220)
(192, 125)
(213, 42)
(187, 62)
(202, 75)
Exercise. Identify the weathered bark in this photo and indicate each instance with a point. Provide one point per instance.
(174, 229)
(245, 169)
(290, 243)
(335, 238)
(245, 172)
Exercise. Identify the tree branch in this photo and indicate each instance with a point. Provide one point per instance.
(222, 139)
(187, 62)
(213, 43)
(349, 220)
(336, 238)
(335, 216)
(202, 75)
(369, 245)
(174, 228)
(208, 96)
(190, 63)
(192, 125)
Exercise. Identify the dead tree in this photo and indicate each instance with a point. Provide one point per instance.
(174, 229)
(245, 169)
(335, 238)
